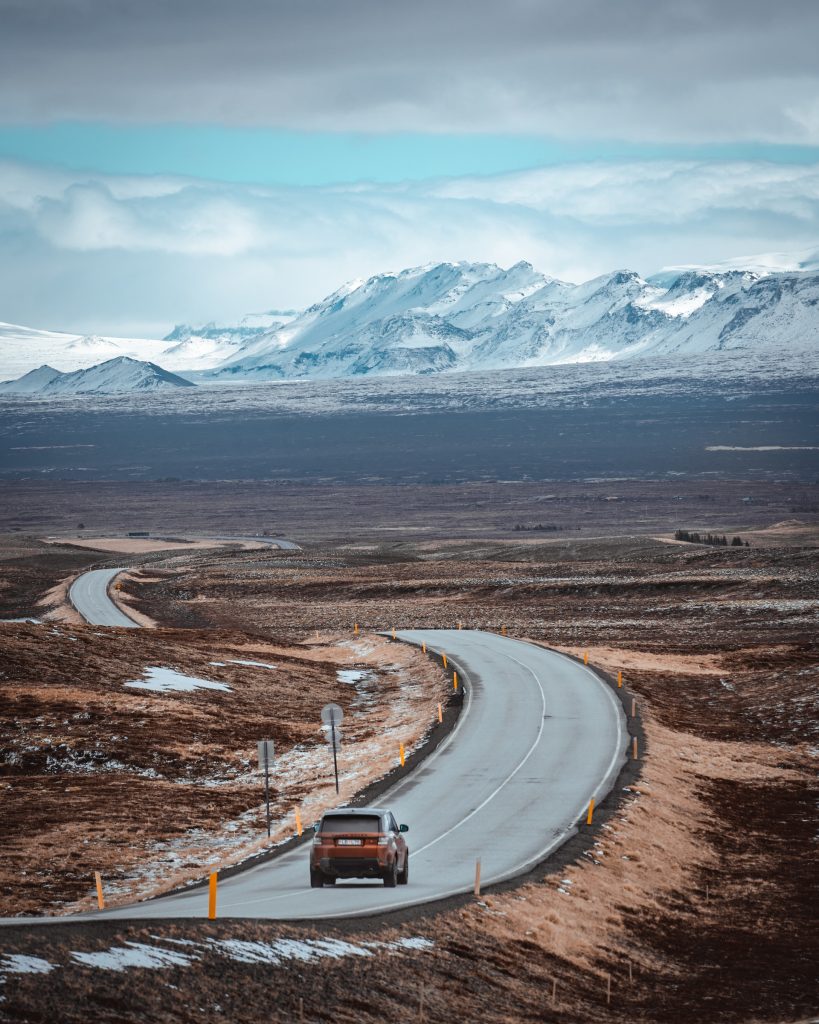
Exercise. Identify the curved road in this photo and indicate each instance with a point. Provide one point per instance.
(539, 735)
(89, 592)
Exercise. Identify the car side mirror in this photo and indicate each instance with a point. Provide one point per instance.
(403, 828)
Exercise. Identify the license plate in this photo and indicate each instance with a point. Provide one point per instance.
(348, 842)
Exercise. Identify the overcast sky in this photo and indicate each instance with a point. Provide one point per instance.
(196, 160)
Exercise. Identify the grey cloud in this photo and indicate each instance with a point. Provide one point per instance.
(638, 69)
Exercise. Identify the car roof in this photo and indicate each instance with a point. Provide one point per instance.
(356, 810)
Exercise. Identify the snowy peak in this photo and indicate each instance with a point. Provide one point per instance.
(118, 375)
(463, 316)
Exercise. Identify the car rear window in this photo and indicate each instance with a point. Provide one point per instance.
(351, 823)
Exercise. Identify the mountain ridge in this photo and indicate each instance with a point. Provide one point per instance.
(114, 376)
(476, 316)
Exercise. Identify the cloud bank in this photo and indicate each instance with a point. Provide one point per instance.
(135, 254)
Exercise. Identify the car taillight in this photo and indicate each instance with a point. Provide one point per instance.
(316, 839)
(383, 840)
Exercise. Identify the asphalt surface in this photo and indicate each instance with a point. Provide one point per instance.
(89, 592)
(538, 736)
(89, 595)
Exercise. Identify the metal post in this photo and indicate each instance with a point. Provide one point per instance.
(267, 787)
(335, 757)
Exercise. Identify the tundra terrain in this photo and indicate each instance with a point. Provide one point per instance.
(688, 898)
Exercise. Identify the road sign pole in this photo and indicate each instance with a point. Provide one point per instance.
(335, 756)
(267, 788)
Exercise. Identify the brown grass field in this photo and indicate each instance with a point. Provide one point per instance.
(690, 898)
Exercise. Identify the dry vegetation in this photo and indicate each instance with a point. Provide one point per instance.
(692, 898)
(89, 760)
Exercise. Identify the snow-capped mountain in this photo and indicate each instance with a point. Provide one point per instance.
(186, 348)
(465, 316)
(199, 348)
(119, 375)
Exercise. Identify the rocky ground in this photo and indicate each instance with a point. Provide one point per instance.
(690, 901)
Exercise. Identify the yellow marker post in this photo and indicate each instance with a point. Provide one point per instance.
(459, 625)
(585, 657)
(214, 875)
(440, 714)
(454, 680)
(355, 628)
(478, 877)
(503, 630)
(619, 680)
(633, 708)
(424, 646)
(401, 753)
(590, 815)
(634, 749)
(393, 632)
(298, 821)
(444, 658)
(100, 898)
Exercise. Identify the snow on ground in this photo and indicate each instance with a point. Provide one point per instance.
(19, 963)
(140, 954)
(166, 680)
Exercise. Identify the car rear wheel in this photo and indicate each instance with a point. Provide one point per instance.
(316, 879)
(391, 877)
(403, 876)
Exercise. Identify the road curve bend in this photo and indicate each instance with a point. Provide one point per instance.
(89, 595)
(539, 736)
(89, 592)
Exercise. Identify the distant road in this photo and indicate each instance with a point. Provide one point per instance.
(89, 592)
(89, 595)
(538, 736)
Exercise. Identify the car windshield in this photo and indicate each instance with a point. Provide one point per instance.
(351, 823)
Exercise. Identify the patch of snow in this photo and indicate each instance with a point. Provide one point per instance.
(140, 954)
(352, 676)
(134, 954)
(166, 680)
(20, 963)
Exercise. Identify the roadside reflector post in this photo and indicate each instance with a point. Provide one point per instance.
(478, 877)
(503, 630)
(355, 628)
(100, 898)
(634, 749)
(454, 680)
(444, 658)
(633, 708)
(424, 646)
(298, 821)
(590, 815)
(459, 625)
(585, 657)
(393, 632)
(619, 680)
(214, 875)
(440, 714)
(401, 753)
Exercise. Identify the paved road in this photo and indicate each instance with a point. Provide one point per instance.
(89, 595)
(538, 736)
(89, 592)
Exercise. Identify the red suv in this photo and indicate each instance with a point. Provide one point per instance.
(359, 842)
